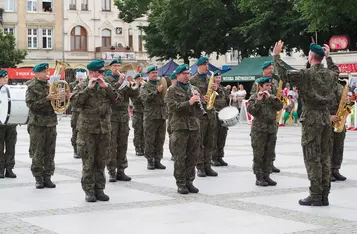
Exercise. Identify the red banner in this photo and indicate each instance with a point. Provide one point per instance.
(348, 67)
(24, 73)
(338, 42)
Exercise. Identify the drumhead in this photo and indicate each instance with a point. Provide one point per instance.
(228, 113)
(5, 104)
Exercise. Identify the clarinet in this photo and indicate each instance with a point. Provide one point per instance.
(204, 113)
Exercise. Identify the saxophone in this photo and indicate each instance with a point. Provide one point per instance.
(279, 94)
(344, 109)
(211, 93)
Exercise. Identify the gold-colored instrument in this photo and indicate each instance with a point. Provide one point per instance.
(211, 94)
(60, 87)
(344, 109)
(136, 85)
(162, 83)
(279, 95)
(127, 68)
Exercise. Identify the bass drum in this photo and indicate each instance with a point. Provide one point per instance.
(228, 116)
(13, 109)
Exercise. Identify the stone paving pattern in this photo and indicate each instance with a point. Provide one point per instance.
(229, 203)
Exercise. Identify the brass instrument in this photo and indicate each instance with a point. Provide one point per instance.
(60, 87)
(344, 109)
(204, 113)
(211, 93)
(126, 69)
(162, 83)
(136, 85)
(279, 95)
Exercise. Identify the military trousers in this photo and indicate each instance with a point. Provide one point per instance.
(94, 150)
(337, 142)
(169, 132)
(186, 154)
(263, 145)
(208, 131)
(118, 146)
(74, 119)
(42, 150)
(8, 138)
(221, 136)
(138, 125)
(154, 131)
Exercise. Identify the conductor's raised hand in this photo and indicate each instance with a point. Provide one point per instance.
(278, 47)
(327, 50)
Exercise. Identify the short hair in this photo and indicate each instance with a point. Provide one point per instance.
(317, 57)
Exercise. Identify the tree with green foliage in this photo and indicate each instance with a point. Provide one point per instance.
(9, 55)
(132, 9)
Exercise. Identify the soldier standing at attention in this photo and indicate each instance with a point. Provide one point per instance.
(185, 129)
(138, 121)
(154, 120)
(117, 160)
(221, 132)
(94, 98)
(42, 127)
(207, 123)
(263, 106)
(8, 138)
(316, 85)
(169, 131)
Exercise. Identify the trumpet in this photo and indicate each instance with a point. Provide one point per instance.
(136, 85)
(204, 113)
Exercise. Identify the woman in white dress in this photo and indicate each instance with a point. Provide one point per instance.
(241, 94)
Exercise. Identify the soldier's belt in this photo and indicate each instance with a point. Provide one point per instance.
(315, 107)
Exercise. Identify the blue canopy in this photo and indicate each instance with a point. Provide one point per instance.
(193, 69)
(168, 68)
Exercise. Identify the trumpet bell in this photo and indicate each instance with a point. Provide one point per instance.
(163, 83)
(61, 88)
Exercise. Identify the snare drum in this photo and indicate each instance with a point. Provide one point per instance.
(13, 109)
(228, 116)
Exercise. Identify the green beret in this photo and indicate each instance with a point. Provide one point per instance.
(267, 64)
(95, 65)
(107, 73)
(40, 67)
(81, 70)
(317, 49)
(3, 73)
(138, 75)
(217, 73)
(114, 61)
(151, 68)
(264, 80)
(173, 76)
(181, 68)
(201, 61)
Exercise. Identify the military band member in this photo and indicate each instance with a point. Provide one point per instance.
(42, 127)
(316, 85)
(138, 119)
(117, 161)
(221, 132)
(185, 136)
(207, 123)
(263, 106)
(94, 98)
(169, 115)
(8, 138)
(154, 120)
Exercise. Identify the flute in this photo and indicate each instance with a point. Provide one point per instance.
(204, 113)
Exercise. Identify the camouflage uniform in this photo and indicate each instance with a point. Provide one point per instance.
(154, 123)
(185, 134)
(94, 127)
(8, 138)
(74, 117)
(315, 86)
(120, 128)
(138, 124)
(42, 129)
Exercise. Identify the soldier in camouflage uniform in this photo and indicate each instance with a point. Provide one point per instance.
(185, 136)
(138, 119)
(75, 111)
(221, 132)
(263, 106)
(94, 98)
(8, 138)
(117, 160)
(316, 86)
(154, 120)
(207, 123)
(42, 127)
(169, 115)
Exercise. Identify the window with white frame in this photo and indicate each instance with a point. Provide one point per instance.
(72, 4)
(84, 6)
(106, 5)
(9, 5)
(9, 30)
(46, 38)
(31, 5)
(32, 38)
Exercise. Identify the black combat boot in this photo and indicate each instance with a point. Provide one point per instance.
(215, 163)
(172, 158)
(201, 171)
(182, 189)
(260, 181)
(121, 175)
(39, 183)
(223, 163)
(158, 165)
(10, 174)
(333, 179)
(48, 183)
(151, 165)
(325, 201)
(90, 197)
(276, 170)
(191, 188)
(2, 176)
(139, 152)
(337, 175)
(209, 171)
(75, 155)
(269, 181)
(112, 176)
(310, 201)
(101, 196)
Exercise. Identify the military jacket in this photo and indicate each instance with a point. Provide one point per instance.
(41, 112)
(222, 99)
(183, 115)
(202, 85)
(138, 106)
(72, 85)
(274, 87)
(264, 112)
(153, 101)
(120, 109)
(95, 108)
